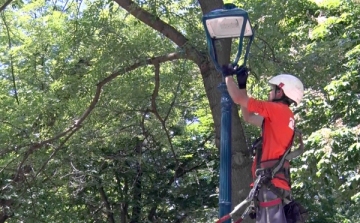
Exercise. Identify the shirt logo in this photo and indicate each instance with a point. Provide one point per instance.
(292, 123)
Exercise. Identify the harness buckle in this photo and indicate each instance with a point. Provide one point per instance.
(264, 172)
(259, 172)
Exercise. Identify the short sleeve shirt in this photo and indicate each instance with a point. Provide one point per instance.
(278, 130)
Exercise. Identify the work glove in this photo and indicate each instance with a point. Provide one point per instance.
(228, 70)
(242, 74)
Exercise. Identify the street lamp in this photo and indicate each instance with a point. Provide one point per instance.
(228, 22)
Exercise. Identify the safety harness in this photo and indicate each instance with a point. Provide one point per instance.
(277, 168)
(265, 172)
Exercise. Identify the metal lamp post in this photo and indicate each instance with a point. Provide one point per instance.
(228, 22)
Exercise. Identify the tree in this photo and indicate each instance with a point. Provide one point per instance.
(106, 118)
(60, 70)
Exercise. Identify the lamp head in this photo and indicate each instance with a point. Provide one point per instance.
(228, 22)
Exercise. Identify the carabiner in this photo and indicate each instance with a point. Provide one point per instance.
(258, 171)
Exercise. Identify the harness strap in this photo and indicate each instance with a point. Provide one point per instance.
(270, 203)
(299, 150)
(256, 147)
(259, 148)
(283, 173)
(277, 191)
(278, 166)
(281, 161)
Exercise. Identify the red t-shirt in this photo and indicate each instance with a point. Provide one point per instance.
(277, 132)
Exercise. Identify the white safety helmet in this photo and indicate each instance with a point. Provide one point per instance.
(293, 88)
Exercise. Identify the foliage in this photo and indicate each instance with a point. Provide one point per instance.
(146, 150)
(120, 159)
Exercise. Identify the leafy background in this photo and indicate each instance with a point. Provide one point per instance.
(105, 119)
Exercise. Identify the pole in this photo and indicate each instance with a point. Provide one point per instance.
(225, 152)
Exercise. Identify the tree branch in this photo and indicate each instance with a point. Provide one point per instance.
(38, 145)
(156, 113)
(207, 6)
(179, 172)
(11, 57)
(270, 47)
(2, 8)
(105, 199)
(154, 60)
(54, 153)
(153, 21)
(191, 52)
(77, 123)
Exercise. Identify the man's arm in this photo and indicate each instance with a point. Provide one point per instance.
(251, 118)
(240, 97)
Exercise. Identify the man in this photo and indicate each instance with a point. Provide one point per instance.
(277, 122)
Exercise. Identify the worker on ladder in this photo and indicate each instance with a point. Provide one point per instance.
(270, 166)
